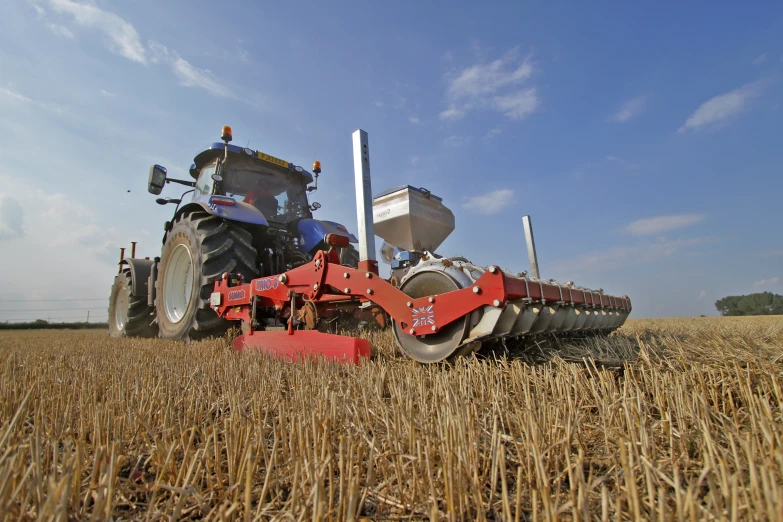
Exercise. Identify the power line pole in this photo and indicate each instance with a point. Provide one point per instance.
(88, 316)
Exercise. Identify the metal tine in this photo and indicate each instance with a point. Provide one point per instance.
(544, 319)
(570, 320)
(527, 319)
(591, 319)
(556, 325)
(509, 317)
(485, 326)
(581, 319)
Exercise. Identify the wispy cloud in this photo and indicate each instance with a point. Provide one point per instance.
(491, 202)
(122, 37)
(630, 109)
(378, 103)
(456, 141)
(452, 113)
(15, 96)
(758, 60)
(21, 98)
(414, 120)
(767, 283)
(624, 256)
(108, 94)
(495, 85)
(189, 75)
(660, 224)
(492, 133)
(60, 30)
(720, 109)
(702, 295)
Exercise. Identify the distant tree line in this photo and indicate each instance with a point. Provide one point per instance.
(42, 324)
(765, 303)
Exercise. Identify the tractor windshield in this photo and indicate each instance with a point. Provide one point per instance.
(276, 193)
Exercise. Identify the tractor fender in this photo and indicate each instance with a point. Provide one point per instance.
(312, 232)
(140, 275)
(239, 211)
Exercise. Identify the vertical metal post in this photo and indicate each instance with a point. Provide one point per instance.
(531, 246)
(361, 167)
(133, 248)
(122, 256)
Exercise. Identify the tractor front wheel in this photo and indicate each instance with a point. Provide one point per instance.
(129, 316)
(199, 248)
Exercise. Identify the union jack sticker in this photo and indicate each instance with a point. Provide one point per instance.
(423, 316)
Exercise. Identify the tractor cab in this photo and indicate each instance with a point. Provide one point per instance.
(279, 193)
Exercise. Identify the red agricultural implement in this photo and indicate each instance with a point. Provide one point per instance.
(439, 307)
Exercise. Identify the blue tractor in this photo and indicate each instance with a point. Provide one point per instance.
(247, 213)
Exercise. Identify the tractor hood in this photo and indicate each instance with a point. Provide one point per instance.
(217, 149)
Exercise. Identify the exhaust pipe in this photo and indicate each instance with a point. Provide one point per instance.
(531, 246)
(366, 231)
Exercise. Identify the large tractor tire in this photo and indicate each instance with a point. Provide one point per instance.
(198, 249)
(129, 316)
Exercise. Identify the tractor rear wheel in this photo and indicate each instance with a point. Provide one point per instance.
(129, 316)
(199, 248)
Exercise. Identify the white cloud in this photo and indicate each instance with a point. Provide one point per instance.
(721, 108)
(629, 109)
(456, 141)
(517, 105)
(378, 103)
(18, 97)
(492, 133)
(767, 283)
(189, 75)
(108, 94)
(702, 295)
(758, 60)
(59, 30)
(15, 95)
(452, 113)
(495, 85)
(11, 217)
(490, 203)
(414, 120)
(660, 224)
(623, 256)
(123, 37)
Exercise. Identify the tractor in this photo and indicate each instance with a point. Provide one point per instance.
(246, 213)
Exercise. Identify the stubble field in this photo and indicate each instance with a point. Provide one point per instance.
(665, 419)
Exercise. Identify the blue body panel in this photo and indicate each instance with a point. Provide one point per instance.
(243, 212)
(312, 232)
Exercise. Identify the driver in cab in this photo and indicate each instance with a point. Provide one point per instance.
(263, 200)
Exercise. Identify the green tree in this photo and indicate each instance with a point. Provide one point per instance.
(764, 303)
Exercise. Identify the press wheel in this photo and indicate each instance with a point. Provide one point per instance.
(434, 347)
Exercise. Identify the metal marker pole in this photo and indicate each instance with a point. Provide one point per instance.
(531, 246)
(361, 167)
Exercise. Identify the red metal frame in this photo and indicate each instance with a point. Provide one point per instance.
(326, 282)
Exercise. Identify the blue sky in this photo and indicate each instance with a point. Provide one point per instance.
(644, 141)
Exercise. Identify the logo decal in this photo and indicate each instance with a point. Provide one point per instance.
(236, 295)
(423, 316)
(266, 283)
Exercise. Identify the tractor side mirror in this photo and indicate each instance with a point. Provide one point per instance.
(157, 179)
(315, 206)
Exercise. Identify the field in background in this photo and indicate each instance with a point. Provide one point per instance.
(690, 428)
